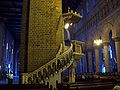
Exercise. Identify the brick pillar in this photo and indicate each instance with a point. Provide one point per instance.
(40, 37)
(106, 55)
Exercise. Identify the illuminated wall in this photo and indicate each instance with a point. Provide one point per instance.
(96, 14)
(44, 33)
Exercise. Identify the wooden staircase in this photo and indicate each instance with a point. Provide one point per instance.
(50, 73)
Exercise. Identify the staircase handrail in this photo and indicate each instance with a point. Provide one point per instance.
(60, 50)
(63, 55)
(57, 58)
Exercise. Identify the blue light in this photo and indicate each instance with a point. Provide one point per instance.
(7, 46)
(111, 54)
(110, 50)
(8, 65)
(103, 68)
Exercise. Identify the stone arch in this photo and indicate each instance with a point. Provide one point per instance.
(106, 30)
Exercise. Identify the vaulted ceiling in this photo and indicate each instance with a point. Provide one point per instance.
(11, 11)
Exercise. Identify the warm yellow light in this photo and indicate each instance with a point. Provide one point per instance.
(71, 24)
(98, 42)
(67, 25)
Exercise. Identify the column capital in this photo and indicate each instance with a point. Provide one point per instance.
(106, 43)
(117, 39)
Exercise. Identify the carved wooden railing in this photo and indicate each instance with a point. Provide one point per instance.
(49, 69)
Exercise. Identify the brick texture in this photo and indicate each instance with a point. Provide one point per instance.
(43, 37)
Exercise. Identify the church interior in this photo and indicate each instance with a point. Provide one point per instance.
(60, 44)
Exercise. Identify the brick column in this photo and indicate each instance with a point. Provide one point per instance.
(90, 60)
(106, 55)
(117, 46)
(40, 39)
(97, 59)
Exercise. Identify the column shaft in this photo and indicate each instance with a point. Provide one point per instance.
(90, 61)
(106, 55)
(84, 64)
(97, 60)
(117, 45)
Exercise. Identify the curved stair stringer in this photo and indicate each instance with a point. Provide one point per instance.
(51, 70)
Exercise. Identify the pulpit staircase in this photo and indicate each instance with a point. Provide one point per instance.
(50, 73)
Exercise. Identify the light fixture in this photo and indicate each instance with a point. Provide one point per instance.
(8, 65)
(98, 42)
(67, 25)
(71, 24)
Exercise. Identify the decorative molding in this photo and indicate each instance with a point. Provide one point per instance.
(71, 17)
(117, 39)
(106, 43)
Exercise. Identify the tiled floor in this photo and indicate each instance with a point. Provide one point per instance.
(5, 81)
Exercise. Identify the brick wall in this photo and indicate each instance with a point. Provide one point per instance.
(43, 37)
